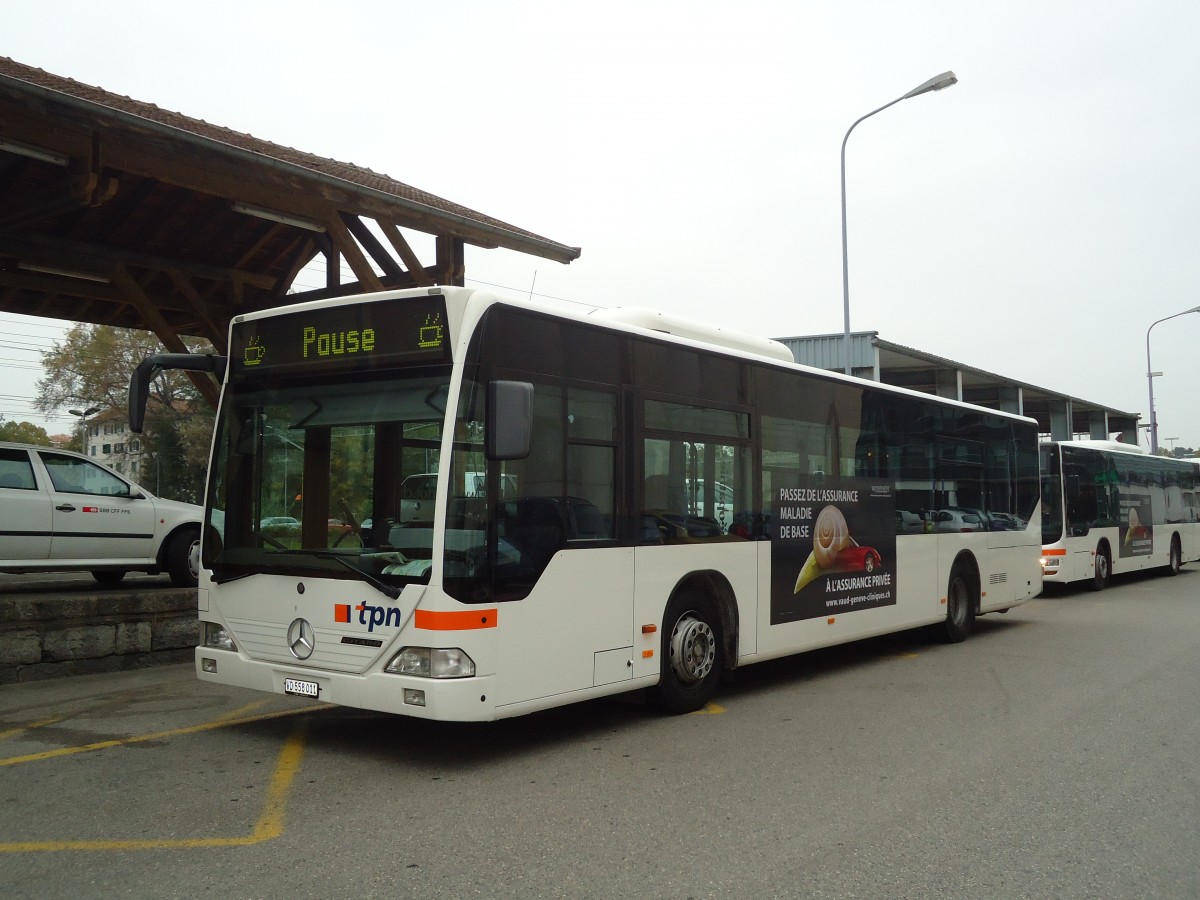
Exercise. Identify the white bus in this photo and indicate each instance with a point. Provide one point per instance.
(1109, 508)
(591, 565)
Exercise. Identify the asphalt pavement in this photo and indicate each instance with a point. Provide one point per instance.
(1052, 754)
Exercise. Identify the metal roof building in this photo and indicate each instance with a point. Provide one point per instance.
(1059, 415)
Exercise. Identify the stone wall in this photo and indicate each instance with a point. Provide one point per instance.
(47, 637)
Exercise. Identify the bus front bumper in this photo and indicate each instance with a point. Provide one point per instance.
(442, 699)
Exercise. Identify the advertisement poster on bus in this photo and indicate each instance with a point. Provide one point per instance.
(833, 548)
(1136, 530)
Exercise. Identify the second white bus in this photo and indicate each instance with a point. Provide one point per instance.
(1110, 508)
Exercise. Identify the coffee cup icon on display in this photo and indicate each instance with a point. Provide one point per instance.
(254, 352)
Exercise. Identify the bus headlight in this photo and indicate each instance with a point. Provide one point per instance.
(217, 637)
(432, 662)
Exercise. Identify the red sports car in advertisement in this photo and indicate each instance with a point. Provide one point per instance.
(857, 559)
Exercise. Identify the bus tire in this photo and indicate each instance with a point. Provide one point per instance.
(693, 653)
(960, 605)
(1175, 560)
(1102, 573)
(183, 558)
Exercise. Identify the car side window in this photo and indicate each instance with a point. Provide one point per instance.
(78, 476)
(16, 471)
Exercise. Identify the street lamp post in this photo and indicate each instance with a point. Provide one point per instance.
(83, 417)
(1150, 375)
(937, 83)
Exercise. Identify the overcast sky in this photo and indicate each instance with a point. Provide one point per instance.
(1033, 220)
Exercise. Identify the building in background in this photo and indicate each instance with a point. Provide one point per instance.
(109, 441)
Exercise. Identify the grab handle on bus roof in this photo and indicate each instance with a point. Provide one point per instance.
(139, 381)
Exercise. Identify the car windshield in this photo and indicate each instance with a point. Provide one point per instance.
(311, 477)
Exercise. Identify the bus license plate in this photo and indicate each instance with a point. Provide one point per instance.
(303, 688)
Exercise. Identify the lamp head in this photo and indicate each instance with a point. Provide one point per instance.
(937, 83)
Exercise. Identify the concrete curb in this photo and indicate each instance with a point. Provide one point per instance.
(49, 637)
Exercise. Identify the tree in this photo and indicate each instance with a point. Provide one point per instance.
(91, 367)
(24, 433)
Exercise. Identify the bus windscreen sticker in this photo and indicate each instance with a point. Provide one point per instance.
(1136, 531)
(833, 549)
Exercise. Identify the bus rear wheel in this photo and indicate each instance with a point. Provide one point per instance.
(693, 654)
(1103, 570)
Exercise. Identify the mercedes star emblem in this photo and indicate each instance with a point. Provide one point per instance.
(301, 639)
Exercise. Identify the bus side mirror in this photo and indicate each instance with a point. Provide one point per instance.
(509, 421)
(139, 381)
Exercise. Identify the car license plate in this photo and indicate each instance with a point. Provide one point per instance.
(303, 688)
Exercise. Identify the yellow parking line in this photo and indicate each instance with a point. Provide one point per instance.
(142, 738)
(243, 710)
(4, 735)
(268, 826)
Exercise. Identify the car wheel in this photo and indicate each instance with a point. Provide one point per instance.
(109, 577)
(183, 558)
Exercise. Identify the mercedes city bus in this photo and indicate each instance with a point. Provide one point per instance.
(611, 500)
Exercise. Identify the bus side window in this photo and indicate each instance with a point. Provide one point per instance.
(534, 528)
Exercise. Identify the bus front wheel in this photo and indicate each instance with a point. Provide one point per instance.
(1103, 569)
(960, 606)
(693, 654)
(1175, 561)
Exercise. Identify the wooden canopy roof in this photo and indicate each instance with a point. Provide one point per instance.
(116, 212)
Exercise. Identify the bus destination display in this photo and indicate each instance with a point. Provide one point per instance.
(388, 333)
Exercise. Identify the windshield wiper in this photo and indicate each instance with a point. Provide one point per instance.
(382, 587)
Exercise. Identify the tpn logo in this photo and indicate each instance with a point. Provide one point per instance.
(368, 615)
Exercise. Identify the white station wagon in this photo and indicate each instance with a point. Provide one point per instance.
(60, 512)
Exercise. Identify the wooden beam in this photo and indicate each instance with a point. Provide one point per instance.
(333, 267)
(344, 241)
(99, 258)
(450, 260)
(371, 244)
(294, 261)
(405, 252)
(133, 292)
(82, 189)
(214, 331)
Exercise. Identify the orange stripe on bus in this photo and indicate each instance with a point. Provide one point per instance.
(455, 621)
(1054, 552)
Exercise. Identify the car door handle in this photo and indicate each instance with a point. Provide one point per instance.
(66, 507)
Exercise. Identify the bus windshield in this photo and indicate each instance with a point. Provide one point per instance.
(310, 477)
(1052, 517)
